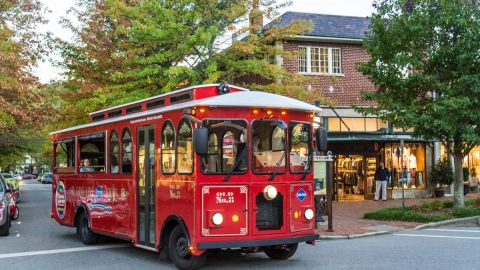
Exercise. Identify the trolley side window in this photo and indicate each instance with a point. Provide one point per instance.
(300, 146)
(92, 153)
(227, 146)
(114, 152)
(65, 156)
(168, 148)
(185, 147)
(127, 148)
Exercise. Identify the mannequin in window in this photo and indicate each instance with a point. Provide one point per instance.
(412, 167)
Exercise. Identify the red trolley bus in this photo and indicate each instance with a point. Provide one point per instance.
(205, 167)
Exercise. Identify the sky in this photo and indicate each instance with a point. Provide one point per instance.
(46, 72)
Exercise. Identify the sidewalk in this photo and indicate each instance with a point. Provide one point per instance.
(348, 217)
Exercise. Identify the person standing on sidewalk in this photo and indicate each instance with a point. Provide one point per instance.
(381, 179)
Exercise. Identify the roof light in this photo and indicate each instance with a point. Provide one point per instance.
(284, 112)
(269, 112)
(255, 111)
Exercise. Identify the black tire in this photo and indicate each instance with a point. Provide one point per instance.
(5, 229)
(17, 214)
(281, 252)
(179, 252)
(87, 236)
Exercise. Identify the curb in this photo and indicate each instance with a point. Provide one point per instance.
(423, 226)
(354, 236)
(447, 222)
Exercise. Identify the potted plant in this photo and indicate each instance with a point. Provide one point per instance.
(466, 183)
(442, 176)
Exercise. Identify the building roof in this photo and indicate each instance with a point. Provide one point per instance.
(332, 26)
(235, 99)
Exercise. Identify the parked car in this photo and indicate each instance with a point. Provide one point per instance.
(47, 178)
(5, 198)
(27, 176)
(14, 211)
(10, 178)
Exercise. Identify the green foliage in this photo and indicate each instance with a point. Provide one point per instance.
(466, 212)
(22, 99)
(442, 173)
(127, 50)
(424, 62)
(427, 211)
(408, 215)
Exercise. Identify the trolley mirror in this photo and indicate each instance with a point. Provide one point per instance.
(201, 140)
(321, 139)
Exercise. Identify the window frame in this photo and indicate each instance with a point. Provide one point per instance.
(120, 163)
(330, 65)
(220, 145)
(310, 146)
(105, 154)
(76, 152)
(270, 138)
(176, 147)
(162, 171)
(111, 154)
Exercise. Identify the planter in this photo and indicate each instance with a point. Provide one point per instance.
(439, 192)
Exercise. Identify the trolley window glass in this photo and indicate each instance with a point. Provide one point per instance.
(127, 151)
(185, 147)
(65, 156)
(300, 146)
(168, 148)
(268, 146)
(114, 152)
(227, 146)
(92, 152)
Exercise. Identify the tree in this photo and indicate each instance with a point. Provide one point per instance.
(21, 96)
(425, 64)
(127, 50)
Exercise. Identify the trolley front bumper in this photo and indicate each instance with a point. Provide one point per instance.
(258, 243)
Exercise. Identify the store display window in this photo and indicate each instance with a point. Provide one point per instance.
(412, 162)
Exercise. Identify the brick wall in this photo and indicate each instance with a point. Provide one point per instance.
(348, 88)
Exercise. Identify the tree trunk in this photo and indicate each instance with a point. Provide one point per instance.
(458, 198)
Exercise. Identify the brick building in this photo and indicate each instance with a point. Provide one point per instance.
(329, 56)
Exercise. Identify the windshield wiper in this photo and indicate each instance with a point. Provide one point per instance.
(275, 171)
(307, 167)
(240, 157)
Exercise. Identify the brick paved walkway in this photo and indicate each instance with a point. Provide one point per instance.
(348, 217)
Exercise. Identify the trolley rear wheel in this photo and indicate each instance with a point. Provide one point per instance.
(179, 251)
(281, 252)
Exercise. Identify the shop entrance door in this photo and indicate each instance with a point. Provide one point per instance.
(369, 183)
(146, 186)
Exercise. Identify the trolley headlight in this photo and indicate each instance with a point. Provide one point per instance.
(270, 192)
(308, 214)
(217, 219)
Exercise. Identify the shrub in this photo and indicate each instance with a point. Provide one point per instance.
(409, 215)
(447, 204)
(442, 173)
(466, 212)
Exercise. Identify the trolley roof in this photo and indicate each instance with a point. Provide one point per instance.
(236, 99)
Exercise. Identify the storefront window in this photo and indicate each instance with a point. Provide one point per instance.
(412, 161)
(357, 124)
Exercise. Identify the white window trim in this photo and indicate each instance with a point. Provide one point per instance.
(330, 62)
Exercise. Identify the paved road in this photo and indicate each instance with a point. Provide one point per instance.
(53, 246)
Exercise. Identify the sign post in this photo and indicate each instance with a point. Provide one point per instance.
(323, 174)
